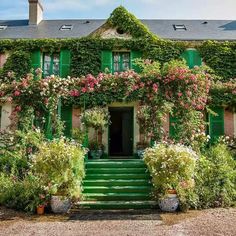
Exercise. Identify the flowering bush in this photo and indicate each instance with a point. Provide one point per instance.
(96, 117)
(171, 167)
(60, 166)
(216, 178)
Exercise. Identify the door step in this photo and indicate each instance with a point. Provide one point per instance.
(116, 205)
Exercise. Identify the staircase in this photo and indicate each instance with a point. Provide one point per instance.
(116, 184)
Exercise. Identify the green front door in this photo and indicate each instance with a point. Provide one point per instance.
(121, 131)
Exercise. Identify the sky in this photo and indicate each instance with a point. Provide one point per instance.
(143, 9)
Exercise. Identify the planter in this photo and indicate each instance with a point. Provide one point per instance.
(140, 153)
(60, 204)
(96, 154)
(169, 203)
(40, 210)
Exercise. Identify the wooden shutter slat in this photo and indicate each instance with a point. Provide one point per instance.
(36, 60)
(66, 116)
(192, 57)
(216, 123)
(135, 55)
(65, 62)
(106, 61)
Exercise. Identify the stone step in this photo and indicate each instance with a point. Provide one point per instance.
(115, 205)
(117, 189)
(118, 176)
(116, 196)
(117, 182)
(118, 170)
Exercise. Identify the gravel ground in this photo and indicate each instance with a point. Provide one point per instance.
(207, 222)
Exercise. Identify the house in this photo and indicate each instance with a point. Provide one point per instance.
(72, 42)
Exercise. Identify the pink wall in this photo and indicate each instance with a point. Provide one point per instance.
(229, 123)
(76, 118)
(3, 59)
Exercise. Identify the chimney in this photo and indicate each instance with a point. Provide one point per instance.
(35, 12)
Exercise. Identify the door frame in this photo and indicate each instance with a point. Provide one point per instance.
(132, 128)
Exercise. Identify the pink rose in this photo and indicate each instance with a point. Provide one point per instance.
(16, 93)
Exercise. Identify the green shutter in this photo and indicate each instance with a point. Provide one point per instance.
(48, 127)
(65, 61)
(192, 57)
(106, 61)
(135, 55)
(172, 127)
(216, 123)
(66, 116)
(36, 60)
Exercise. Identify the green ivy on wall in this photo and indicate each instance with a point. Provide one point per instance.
(86, 52)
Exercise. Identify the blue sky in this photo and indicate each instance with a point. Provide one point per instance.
(146, 9)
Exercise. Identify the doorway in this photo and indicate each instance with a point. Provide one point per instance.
(121, 131)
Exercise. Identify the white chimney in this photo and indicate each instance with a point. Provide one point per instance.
(35, 12)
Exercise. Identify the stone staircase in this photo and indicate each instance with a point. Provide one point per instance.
(116, 184)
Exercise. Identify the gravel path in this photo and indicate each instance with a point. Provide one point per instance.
(207, 222)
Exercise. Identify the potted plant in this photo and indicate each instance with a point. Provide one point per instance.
(172, 169)
(140, 148)
(96, 118)
(60, 166)
(96, 149)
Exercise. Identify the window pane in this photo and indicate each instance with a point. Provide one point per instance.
(55, 64)
(46, 66)
(126, 61)
(121, 61)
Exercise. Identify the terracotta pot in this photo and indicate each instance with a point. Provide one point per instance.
(171, 191)
(40, 210)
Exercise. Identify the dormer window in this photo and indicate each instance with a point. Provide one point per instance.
(179, 27)
(3, 27)
(66, 27)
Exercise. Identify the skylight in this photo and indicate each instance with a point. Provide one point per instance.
(179, 27)
(3, 27)
(66, 27)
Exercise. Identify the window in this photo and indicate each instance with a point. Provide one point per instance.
(51, 64)
(179, 27)
(66, 27)
(3, 27)
(121, 61)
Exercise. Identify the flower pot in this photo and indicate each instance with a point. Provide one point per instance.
(169, 203)
(40, 210)
(96, 154)
(140, 153)
(60, 204)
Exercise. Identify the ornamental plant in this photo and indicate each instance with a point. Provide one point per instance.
(215, 178)
(60, 166)
(171, 167)
(96, 117)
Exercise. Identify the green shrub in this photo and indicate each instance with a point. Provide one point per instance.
(215, 178)
(20, 194)
(172, 167)
(60, 165)
(19, 62)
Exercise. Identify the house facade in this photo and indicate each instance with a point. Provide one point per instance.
(113, 49)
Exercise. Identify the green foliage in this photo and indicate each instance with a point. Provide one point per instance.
(127, 22)
(220, 56)
(20, 194)
(16, 149)
(60, 165)
(96, 117)
(19, 62)
(215, 178)
(171, 167)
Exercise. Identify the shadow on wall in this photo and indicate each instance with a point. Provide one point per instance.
(229, 26)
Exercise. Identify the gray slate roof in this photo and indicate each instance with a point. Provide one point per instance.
(196, 29)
